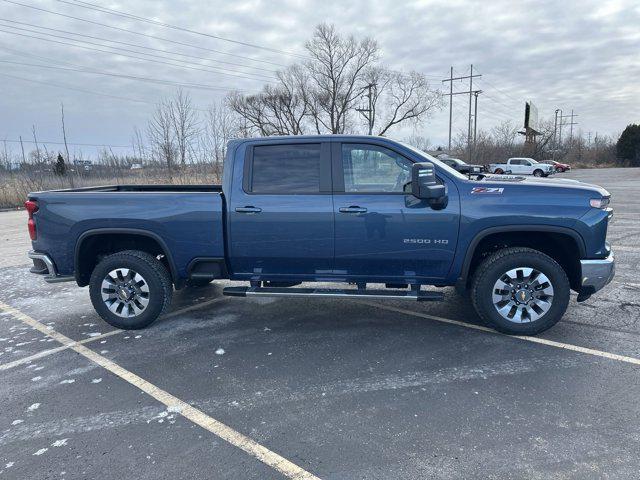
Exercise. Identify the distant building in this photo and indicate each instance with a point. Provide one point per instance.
(85, 165)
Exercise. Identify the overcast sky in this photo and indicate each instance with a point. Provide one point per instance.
(572, 54)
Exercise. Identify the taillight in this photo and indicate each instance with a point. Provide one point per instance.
(32, 207)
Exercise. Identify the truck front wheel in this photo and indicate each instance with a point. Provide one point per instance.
(130, 289)
(538, 173)
(520, 291)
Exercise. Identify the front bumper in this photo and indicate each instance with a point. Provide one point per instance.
(43, 265)
(596, 274)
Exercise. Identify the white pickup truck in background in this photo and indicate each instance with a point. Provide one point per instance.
(522, 166)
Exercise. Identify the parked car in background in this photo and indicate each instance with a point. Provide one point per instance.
(560, 167)
(461, 166)
(523, 166)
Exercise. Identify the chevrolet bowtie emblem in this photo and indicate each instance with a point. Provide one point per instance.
(523, 296)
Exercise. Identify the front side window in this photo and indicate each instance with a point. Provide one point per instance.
(286, 169)
(374, 169)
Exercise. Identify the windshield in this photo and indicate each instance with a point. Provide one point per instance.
(450, 170)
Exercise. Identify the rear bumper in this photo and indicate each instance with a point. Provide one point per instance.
(43, 265)
(596, 274)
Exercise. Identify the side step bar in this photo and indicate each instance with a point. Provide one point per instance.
(326, 292)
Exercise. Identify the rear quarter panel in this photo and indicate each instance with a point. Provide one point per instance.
(190, 224)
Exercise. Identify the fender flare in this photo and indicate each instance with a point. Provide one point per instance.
(131, 231)
(466, 265)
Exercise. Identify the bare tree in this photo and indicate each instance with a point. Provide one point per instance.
(402, 98)
(279, 109)
(160, 133)
(184, 121)
(222, 124)
(322, 94)
(336, 76)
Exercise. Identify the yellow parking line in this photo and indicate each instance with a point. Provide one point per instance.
(226, 433)
(543, 341)
(51, 351)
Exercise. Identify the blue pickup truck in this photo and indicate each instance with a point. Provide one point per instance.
(357, 210)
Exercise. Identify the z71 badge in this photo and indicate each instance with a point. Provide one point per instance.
(487, 190)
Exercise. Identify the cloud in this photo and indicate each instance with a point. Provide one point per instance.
(571, 55)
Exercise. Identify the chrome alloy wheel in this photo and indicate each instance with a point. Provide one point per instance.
(125, 292)
(522, 295)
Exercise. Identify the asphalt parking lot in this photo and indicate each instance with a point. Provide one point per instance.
(336, 389)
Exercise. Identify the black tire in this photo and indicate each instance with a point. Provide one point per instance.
(155, 275)
(499, 171)
(493, 267)
(538, 173)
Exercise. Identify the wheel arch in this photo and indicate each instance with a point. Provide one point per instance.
(563, 244)
(87, 253)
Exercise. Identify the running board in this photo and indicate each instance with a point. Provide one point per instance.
(335, 293)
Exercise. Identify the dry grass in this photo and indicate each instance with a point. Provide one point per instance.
(15, 186)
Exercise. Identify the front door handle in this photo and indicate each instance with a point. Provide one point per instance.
(353, 209)
(248, 209)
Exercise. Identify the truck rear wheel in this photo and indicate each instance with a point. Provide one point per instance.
(130, 289)
(520, 291)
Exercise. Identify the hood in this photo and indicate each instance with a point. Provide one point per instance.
(543, 183)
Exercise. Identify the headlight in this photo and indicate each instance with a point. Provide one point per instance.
(599, 202)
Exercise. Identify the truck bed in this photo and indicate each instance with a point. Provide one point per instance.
(187, 220)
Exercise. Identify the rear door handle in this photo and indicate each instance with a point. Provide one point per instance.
(248, 209)
(353, 209)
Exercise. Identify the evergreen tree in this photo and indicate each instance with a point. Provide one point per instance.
(628, 146)
(60, 168)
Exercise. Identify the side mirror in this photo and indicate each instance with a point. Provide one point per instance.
(425, 186)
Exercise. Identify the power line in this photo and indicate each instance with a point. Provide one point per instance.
(130, 45)
(219, 72)
(129, 77)
(155, 37)
(451, 93)
(118, 13)
(68, 143)
(51, 84)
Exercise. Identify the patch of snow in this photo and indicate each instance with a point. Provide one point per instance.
(35, 379)
(9, 465)
(96, 380)
(68, 381)
(40, 452)
(60, 443)
(33, 407)
(17, 422)
(220, 351)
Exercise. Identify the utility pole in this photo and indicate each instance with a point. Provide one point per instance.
(451, 93)
(555, 129)
(450, 105)
(475, 118)
(572, 124)
(368, 112)
(560, 133)
(24, 160)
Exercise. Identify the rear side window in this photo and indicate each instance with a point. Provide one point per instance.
(286, 169)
